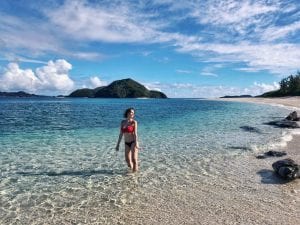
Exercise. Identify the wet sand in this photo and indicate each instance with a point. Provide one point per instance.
(238, 189)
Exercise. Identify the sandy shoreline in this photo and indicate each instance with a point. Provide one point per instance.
(209, 189)
(244, 191)
(292, 103)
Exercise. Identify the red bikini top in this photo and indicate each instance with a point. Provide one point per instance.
(128, 128)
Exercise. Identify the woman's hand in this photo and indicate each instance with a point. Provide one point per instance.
(137, 145)
(117, 148)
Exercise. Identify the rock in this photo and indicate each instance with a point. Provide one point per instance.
(271, 154)
(289, 122)
(293, 116)
(287, 169)
(284, 123)
(261, 157)
(250, 129)
(275, 153)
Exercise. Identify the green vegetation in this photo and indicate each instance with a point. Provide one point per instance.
(19, 94)
(126, 88)
(84, 92)
(289, 86)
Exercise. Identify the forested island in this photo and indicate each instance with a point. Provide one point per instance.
(126, 88)
(19, 94)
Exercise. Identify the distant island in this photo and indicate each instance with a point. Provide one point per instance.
(237, 96)
(19, 94)
(126, 88)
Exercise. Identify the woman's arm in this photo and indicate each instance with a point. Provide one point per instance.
(120, 138)
(136, 134)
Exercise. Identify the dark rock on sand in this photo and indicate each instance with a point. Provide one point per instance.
(284, 123)
(287, 169)
(293, 116)
(289, 122)
(271, 154)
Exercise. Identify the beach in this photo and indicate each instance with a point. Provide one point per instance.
(292, 103)
(246, 192)
(197, 163)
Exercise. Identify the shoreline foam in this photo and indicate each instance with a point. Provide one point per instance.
(291, 103)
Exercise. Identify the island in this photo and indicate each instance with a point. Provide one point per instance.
(126, 88)
(19, 94)
(237, 96)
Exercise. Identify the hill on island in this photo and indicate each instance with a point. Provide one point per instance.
(126, 88)
(289, 86)
(19, 94)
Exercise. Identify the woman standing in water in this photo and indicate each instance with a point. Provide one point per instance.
(128, 128)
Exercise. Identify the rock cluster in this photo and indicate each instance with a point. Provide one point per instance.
(271, 154)
(287, 169)
(291, 121)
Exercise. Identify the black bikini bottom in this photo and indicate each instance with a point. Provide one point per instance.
(129, 143)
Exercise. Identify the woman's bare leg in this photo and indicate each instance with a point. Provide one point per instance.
(134, 158)
(128, 157)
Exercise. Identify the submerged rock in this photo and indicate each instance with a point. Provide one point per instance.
(271, 154)
(250, 129)
(287, 169)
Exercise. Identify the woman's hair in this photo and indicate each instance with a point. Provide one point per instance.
(127, 111)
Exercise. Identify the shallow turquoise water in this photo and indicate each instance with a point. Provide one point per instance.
(57, 158)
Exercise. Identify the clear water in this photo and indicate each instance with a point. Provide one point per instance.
(58, 163)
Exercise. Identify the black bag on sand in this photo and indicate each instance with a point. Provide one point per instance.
(287, 169)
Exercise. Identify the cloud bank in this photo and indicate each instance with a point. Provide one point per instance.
(188, 90)
(53, 77)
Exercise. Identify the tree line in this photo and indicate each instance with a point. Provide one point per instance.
(289, 86)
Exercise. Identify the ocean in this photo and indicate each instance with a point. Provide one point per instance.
(58, 163)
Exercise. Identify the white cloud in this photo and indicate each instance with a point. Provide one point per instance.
(184, 71)
(276, 32)
(35, 36)
(52, 77)
(95, 82)
(231, 12)
(116, 23)
(277, 58)
(189, 90)
(73, 27)
(260, 88)
(209, 74)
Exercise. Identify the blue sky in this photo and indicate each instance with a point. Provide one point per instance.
(184, 48)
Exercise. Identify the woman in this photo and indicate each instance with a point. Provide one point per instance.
(128, 128)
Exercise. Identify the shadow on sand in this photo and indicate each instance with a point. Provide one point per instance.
(83, 173)
(270, 177)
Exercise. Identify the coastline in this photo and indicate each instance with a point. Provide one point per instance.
(245, 189)
(291, 103)
(172, 187)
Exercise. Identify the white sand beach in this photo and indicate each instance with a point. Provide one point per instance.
(292, 103)
(243, 190)
(284, 101)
